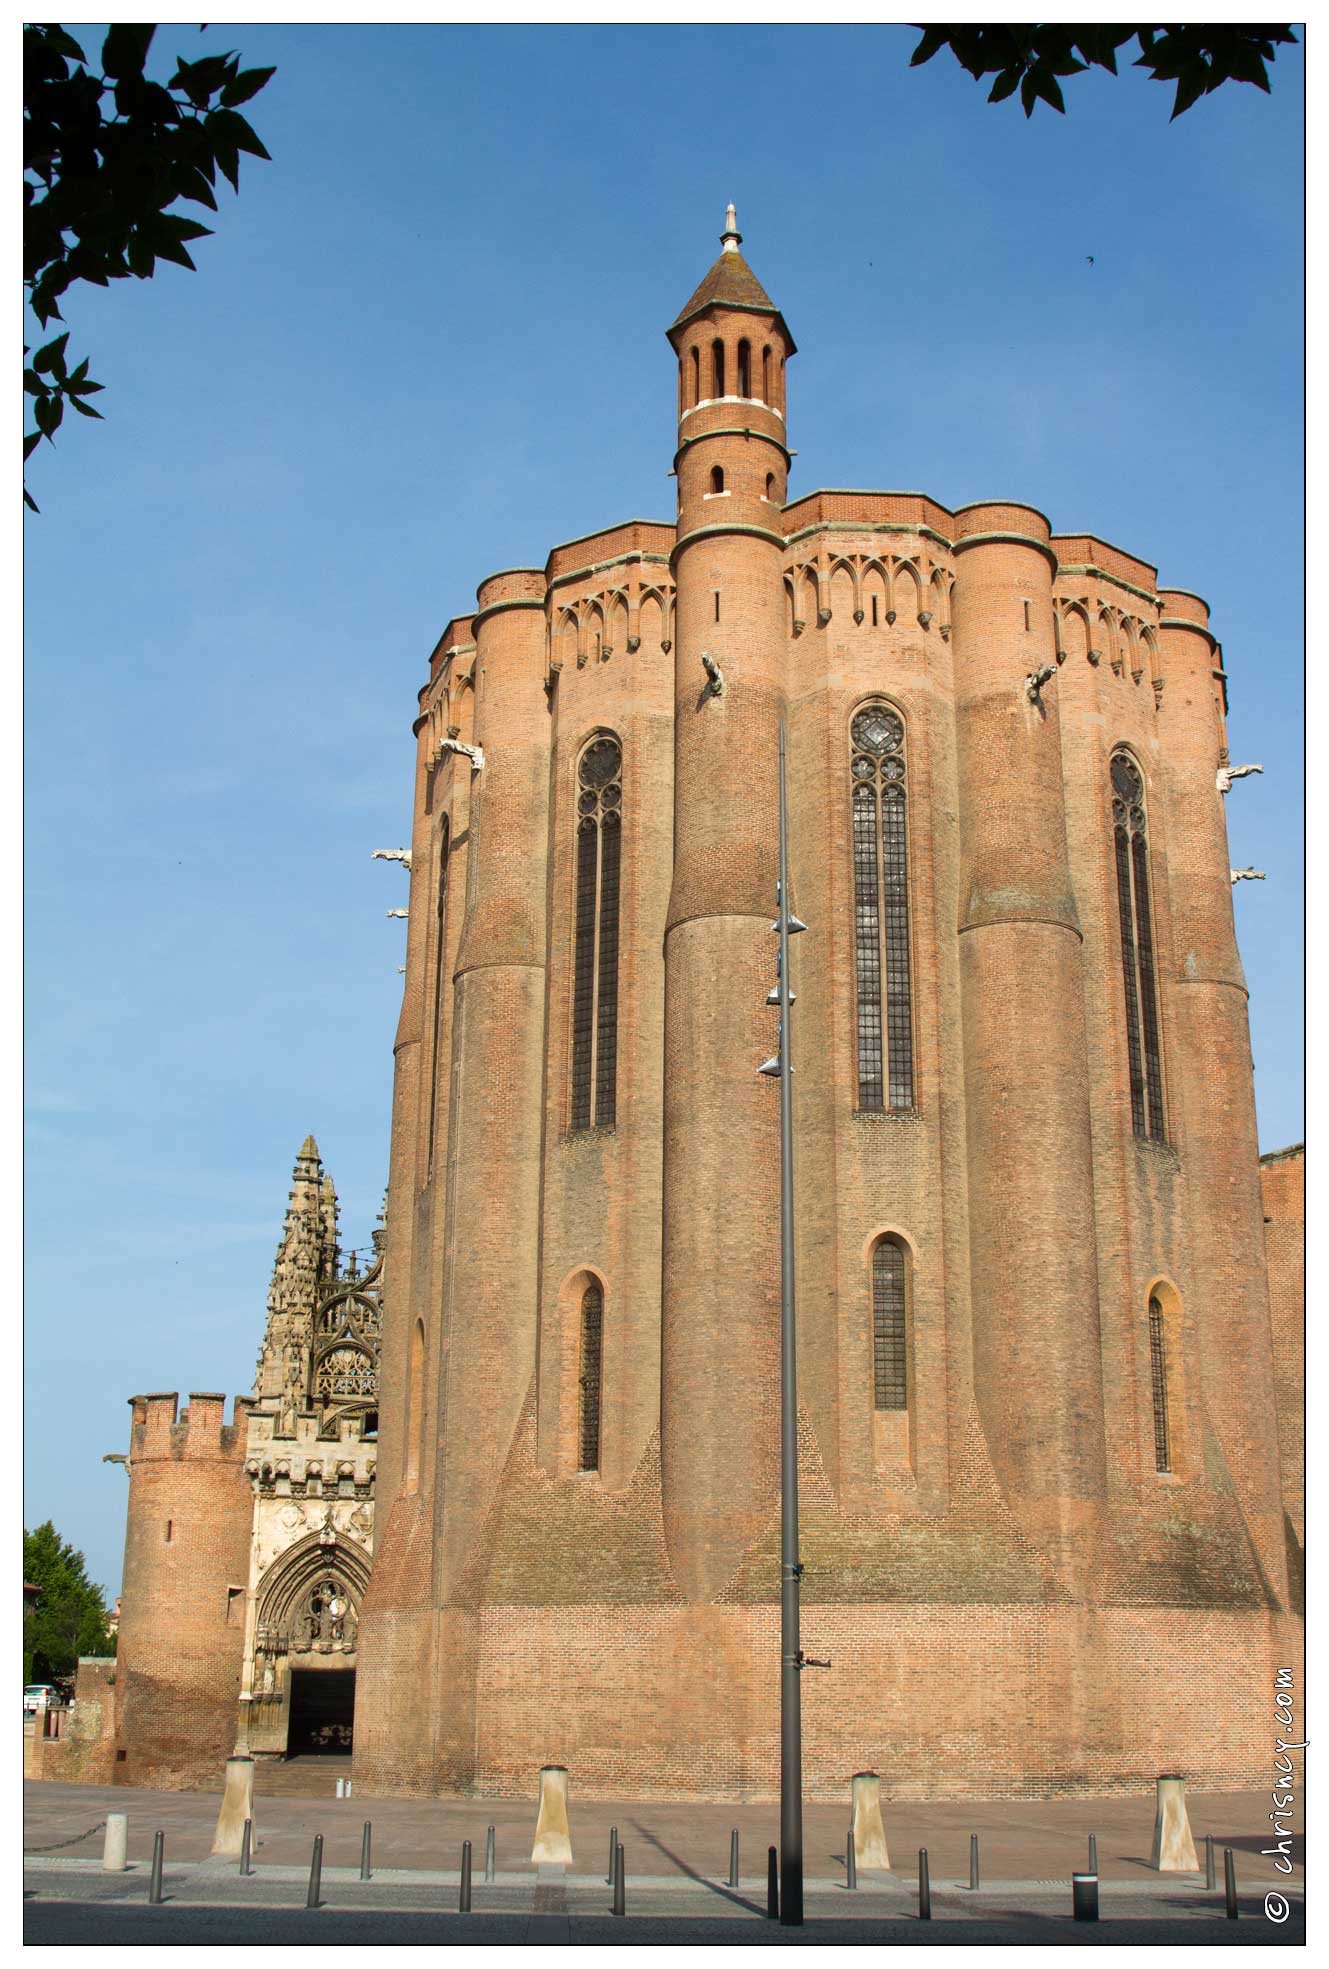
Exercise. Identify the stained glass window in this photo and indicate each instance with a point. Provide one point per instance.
(889, 1363)
(1144, 1055)
(595, 937)
(1158, 1370)
(440, 985)
(592, 1339)
(884, 995)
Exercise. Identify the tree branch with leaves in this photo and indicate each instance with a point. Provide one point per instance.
(1034, 58)
(99, 177)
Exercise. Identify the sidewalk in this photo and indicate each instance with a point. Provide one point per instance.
(1019, 1841)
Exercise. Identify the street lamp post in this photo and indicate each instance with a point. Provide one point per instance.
(791, 1653)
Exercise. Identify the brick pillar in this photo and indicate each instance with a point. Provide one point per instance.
(1220, 1154)
(1037, 1378)
(721, 1311)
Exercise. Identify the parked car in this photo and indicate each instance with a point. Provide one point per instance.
(36, 1693)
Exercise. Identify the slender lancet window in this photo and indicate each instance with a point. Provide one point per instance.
(881, 911)
(1143, 1052)
(595, 956)
(592, 1349)
(1158, 1370)
(440, 986)
(889, 1360)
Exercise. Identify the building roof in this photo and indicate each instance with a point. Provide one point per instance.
(730, 283)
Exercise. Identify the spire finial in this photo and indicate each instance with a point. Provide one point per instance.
(731, 238)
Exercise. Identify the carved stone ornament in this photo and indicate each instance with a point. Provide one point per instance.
(292, 1516)
(858, 617)
(1095, 657)
(799, 627)
(823, 617)
(666, 646)
(925, 618)
(634, 644)
(890, 617)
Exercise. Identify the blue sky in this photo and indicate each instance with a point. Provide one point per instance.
(427, 342)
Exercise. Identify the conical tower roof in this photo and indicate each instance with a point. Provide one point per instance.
(730, 283)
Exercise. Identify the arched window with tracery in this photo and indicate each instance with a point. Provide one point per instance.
(595, 957)
(884, 1027)
(592, 1363)
(890, 1359)
(440, 986)
(1143, 1051)
(1158, 1367)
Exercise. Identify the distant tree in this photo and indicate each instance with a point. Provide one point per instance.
(97, 182)
(1031, 58)
(69, 1619)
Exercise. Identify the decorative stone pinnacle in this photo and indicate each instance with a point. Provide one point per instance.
(731, 238)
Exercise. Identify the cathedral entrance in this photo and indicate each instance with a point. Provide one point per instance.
(322, 1712)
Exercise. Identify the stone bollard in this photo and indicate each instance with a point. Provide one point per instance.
(115, 1852)
(237, 1805)
(869, 1832)
(553, 1844)
(1174, 1849)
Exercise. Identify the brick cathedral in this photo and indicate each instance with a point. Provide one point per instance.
(1048, 1291)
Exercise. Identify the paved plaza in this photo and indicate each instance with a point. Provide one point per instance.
(676, 1864)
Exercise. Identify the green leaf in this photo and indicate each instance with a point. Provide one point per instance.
(48, 411)
(28, 500)
(1192, 83)
(1005, 85)
(933, 39)
(237, 132)
(33, 385)
(30, 443)
(125, 50)
(52, 356)
(63, 43)
(1047, 86)
(86, 409)
(250, 80)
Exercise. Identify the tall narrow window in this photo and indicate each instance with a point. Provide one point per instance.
(881, 911)
(696, 377)
(1158, 1370)
(745, 369)
(717, 478)
(717, 368)
(889, 1359)
(1143, 1051)
(766, 374)
(440, 987)
(592, 1347)
(595, 954)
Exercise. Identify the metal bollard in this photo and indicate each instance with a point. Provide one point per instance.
(464, 1897)
(613, 1848)
(246, 1845)
(341, 1787)
(1084, 1896)
(924, 1886)
(489, 1853)
(973, 1862)
(772, 1885)
(365, 1837)
(155, 1881)
(315, 1871)
(1093, 1852)
(733, 1857)
(850, 1861)
(620, 1905)
(1229, 1884)
(1210, 1877)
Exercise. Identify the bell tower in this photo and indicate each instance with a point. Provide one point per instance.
(720, 1371)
